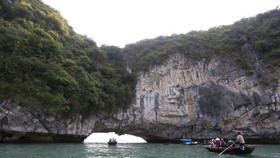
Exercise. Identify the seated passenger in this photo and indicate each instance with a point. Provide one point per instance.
(223, 144)
(218, 142)
(212, 143)
(230, 142)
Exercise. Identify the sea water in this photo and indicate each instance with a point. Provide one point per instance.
(100, 150)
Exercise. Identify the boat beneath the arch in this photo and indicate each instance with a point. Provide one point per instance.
(233, 150)
(112, 142)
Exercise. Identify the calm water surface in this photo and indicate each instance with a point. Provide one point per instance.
(93, 150)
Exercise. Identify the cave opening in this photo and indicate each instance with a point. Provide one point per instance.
(104, 138)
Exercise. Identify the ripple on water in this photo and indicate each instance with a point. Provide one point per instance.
(93, 150)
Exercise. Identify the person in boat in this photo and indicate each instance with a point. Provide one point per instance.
(230, 143)
(212, 143)
(223, 144)
(240, 140)
(218, 142)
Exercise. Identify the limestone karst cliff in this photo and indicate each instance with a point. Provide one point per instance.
(201, 99)
(182, 98)
(57, 86)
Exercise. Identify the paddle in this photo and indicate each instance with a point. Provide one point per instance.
(227, 148)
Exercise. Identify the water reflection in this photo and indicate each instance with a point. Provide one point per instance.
(173, 150)
(100, 150)
(105, 150)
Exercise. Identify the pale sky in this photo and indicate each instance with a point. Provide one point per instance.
(120, 22)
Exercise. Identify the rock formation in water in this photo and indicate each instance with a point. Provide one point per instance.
(181, 98)
(190, 90)
(202, 99)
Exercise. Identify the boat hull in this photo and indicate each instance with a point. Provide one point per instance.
(188, 142)
(234, 150)
(112, 143)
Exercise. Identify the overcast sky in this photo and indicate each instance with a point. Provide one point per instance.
(120, 22)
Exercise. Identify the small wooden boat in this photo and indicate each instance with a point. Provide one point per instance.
(233, 150)
(112, 142)
(188, 142)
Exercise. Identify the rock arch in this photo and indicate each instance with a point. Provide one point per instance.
(183, 98)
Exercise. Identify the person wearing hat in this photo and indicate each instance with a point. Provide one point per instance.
(217, 142)
(241, 140)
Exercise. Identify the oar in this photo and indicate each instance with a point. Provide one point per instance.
(227, 148)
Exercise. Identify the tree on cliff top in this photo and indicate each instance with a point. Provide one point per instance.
(44, 64)
(261, 31)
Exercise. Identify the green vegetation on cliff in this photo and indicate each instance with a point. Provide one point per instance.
(262, 31)
(44, 64)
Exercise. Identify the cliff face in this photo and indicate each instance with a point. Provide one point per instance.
(19, 125)
(204, 99)
(182, 98)
(219, 87)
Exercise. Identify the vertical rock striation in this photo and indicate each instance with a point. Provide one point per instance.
(205, 99)
(183, 97)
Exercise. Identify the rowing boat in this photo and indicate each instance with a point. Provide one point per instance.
(188, 142)
(233, 150)
(112, 142)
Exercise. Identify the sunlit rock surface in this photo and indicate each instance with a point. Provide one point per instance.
(203, 99)
(183, 97)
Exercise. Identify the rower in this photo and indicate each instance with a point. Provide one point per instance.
(241, 141)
